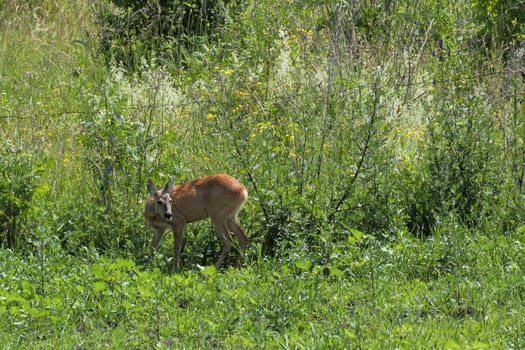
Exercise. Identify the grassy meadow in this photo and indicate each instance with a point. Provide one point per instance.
(381, 143)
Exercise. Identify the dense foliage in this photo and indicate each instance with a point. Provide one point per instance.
(382, 145)
(169, 29)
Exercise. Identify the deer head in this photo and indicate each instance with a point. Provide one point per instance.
(161, 200)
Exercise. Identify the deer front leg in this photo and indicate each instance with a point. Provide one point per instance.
(157, 236)
(177, 244)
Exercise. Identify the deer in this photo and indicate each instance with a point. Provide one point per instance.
(219, 197)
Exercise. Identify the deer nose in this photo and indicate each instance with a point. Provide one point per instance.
(167, 216)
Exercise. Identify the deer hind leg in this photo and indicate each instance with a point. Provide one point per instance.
(226, 239)
(235, 227)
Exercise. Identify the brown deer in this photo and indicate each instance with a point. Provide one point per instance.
(219, 197)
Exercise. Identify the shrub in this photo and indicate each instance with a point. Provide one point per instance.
(156, 28)
(18, 177)
(501, 23)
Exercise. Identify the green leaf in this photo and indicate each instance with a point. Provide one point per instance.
(479, 345)
(99, 286)
(145, 291)
(358, 235)
(97, 271)
(209, 271)
(302, 264)
(336, 272)
(451, 344)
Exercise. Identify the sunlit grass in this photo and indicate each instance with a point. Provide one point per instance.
(91, 301)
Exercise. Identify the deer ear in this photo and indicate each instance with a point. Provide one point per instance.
(169, 186)
(152, 189)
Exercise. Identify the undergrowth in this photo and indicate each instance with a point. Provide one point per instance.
(449, 292)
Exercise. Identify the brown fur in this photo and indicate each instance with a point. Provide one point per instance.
(219, 197)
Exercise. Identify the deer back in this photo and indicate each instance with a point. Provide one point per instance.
(215, 195)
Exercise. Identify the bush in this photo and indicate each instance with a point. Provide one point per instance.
(164, 29)
(18, 178)
(501, 23)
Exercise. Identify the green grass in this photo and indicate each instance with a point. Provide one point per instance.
(460, 294)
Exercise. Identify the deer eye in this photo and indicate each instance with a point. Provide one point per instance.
(159, 202)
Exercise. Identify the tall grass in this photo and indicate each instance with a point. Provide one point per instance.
(311, 113)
